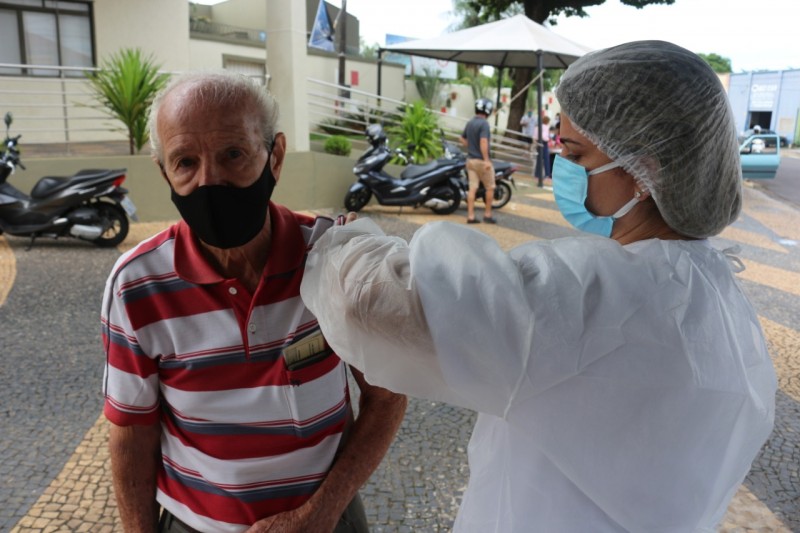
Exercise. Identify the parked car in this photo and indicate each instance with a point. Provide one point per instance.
(760, 156)
(771, 141)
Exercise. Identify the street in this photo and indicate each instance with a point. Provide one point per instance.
(786, 184)
(53, 456)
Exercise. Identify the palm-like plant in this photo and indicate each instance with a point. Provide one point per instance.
(417, 133)
(429, 85)
(126, 85)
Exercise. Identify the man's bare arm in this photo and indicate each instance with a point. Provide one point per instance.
(135, 457)
(485, 150)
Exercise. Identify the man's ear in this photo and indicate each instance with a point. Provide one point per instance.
(278, 155)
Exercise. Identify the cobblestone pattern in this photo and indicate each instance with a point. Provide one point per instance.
(81, 498)
(53, 398)
(50, 365)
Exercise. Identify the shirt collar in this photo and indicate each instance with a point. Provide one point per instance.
(286, 252)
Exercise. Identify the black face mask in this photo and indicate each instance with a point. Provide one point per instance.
(227, 217)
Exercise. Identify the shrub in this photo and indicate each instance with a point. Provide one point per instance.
(418, 133)
(338, 145)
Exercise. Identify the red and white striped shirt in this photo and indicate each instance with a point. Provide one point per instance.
(243, 436)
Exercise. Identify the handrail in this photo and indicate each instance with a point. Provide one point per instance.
(334, 109)
(59, 68)
(64, 110)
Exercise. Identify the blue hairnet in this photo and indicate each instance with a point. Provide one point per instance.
(662, 113)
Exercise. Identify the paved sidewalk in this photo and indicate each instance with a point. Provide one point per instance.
(53, 441)
(791, 152)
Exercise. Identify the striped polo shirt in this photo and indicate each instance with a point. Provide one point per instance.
(251, 401)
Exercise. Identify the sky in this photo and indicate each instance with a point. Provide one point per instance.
(753, 34)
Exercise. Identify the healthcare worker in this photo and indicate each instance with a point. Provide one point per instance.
(622, 379)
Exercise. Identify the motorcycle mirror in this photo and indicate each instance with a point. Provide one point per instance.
(8, 119)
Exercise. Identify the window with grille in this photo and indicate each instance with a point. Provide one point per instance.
(44, 33)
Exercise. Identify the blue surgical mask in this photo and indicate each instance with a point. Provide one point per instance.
(571, 186)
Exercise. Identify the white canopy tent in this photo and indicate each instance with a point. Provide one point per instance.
(513, 42)
(509, 43)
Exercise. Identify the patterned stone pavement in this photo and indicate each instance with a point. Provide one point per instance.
(53, 456)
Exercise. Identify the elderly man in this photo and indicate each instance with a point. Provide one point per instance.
(227, 406)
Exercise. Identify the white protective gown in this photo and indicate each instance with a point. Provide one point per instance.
(620, 388)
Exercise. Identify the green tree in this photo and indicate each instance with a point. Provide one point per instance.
(368, 51)
(481, 85)
(721, 65)
(126, 84)
(474, 12)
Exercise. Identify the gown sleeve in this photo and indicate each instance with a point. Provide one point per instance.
(443, 317)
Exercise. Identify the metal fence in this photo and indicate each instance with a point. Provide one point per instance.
(201, 28)
(338, 110)
(57, 111)
(55, 106)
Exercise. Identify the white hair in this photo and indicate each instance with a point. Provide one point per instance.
(213, 88)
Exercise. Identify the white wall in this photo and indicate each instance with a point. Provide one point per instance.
(325, 67)
(158, 27)
(209, 54)
(242, 13)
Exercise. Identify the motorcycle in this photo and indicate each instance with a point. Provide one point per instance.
(435, 185)
(89, 205)
(503, 177)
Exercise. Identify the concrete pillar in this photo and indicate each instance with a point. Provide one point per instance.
(287, 68)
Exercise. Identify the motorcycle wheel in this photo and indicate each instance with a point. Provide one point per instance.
(355, 201)
(450, 194)
(115, 222)
(502, 195)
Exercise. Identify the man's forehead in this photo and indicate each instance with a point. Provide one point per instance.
(183, 110)
(189, 100)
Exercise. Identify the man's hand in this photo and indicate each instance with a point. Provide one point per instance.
(341, 220)
(370, 436)
(297, 520)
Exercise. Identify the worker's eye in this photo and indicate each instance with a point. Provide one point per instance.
(184, 162)
(234, 153)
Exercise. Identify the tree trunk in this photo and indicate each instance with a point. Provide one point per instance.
(522, 76)
(537, 12)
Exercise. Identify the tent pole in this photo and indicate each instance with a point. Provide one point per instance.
(340, 31)
(380, 64)
(497, 100)
(539, 143)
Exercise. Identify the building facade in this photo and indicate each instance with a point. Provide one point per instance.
(769, 99)
(71, 37)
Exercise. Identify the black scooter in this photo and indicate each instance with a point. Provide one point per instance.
(90, 205)
(435, 185)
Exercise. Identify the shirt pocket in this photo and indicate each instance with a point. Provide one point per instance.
(308, 358)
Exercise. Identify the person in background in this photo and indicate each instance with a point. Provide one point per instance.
(228, 408)
(528, 125)
(477, 137)
(621, 377)
(541, 167)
